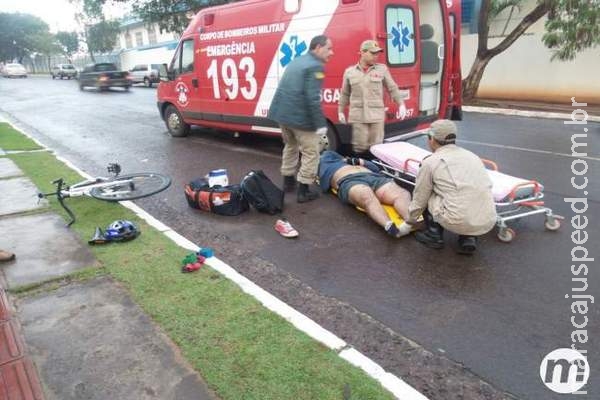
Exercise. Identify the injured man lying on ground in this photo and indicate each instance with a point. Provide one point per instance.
(359, 182)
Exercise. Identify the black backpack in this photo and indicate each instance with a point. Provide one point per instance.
(261, 193)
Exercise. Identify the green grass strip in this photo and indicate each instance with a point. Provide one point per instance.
(11, 139)
(242, 350)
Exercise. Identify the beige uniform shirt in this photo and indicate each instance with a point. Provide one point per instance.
(454, 186)
(363, 91)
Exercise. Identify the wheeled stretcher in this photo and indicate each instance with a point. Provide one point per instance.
(514, 197)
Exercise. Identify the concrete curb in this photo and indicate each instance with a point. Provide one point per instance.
(391, 382)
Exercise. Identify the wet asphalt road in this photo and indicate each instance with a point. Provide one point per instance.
(497, 314)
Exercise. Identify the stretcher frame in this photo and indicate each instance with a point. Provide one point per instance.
(510, 209)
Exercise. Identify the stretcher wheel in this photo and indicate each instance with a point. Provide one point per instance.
(506, 235)
(552, 224)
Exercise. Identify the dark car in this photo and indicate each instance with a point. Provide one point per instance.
(104, 76)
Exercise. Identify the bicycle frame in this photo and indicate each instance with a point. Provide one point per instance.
(79, 189)
(85, 187)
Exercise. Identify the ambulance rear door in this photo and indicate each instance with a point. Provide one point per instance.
(399, 20)
(455, 77)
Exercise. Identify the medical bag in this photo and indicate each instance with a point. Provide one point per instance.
(222, 200)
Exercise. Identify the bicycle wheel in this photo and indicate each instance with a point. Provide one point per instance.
(131, 187)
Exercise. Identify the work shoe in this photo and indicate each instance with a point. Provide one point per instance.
(6, 256)
(467, 244)
(306, 194)
(433, 235)
(289, 184)
(285, 229)
(430, 239)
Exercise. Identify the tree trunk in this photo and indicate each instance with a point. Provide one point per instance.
(92, 56)
(470, 84)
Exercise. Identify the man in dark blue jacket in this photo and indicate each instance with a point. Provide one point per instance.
(296, 107)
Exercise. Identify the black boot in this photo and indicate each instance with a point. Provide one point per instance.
(305, 194)
(467, 244)
(289, 184)
(433, 235)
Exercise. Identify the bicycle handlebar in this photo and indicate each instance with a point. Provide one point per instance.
(60, 197)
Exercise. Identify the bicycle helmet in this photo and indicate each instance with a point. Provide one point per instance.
(121, 230)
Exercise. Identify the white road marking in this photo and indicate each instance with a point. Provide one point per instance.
(525, 113)
(502, 146)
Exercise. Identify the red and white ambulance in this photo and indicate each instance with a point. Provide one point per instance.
(227, 65)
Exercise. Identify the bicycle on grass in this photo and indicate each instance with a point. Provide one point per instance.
(113, 188)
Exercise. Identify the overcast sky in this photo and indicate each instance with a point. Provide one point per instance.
(58, 14)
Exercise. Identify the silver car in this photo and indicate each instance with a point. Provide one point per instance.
(146, 73)
(63, 70)
(14, 70)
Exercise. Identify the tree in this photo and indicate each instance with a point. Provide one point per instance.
(102, 36)
(22, 35)
(170, 15)
(69, 43)
(573, 25)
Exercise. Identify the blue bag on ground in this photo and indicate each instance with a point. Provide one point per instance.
(261, 193)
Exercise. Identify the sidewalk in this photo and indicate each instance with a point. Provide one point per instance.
(88, 340)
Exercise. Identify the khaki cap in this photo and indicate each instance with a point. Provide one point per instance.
(443, 131)
(371, 46)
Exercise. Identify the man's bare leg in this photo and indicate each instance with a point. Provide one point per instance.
(393, 195)
(363, 197)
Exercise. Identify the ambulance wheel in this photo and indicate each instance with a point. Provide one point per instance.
(552, 224)
(175, 124)
(329, 141)
(506, 235)
(147, 82)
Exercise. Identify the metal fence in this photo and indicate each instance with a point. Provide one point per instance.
(42, 64)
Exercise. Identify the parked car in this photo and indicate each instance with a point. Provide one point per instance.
(63, 70)
(103, 76)
(147, 73)
(14, 69)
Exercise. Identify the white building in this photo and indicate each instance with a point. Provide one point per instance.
(140, 43)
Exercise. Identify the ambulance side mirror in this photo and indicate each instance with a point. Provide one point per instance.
(164, 73)
(291, 6)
